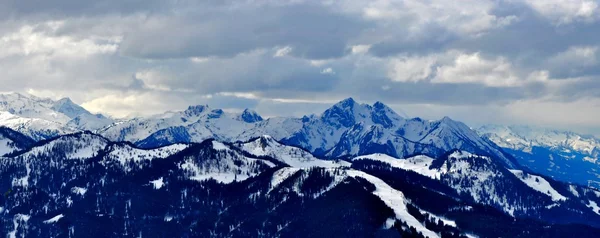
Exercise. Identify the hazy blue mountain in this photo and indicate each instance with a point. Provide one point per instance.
(564, 155)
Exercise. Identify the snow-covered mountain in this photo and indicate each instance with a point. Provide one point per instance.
(293, 156)
(347, 128)
(485, 181)
(83, 184)
(41, 118)
(195, 124)
(564, 155)
(525, 138)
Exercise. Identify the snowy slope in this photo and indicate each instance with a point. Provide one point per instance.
(76, 146)
(126, 155)
(420, 164)
(293, 156)
(348, 128)
(86, 175)
(539, 184)
(200, 123)
(217, 161)
(395, 200)
(12, 141)
(35, 128)
(524, 137)
(480, 177)
(41, 118)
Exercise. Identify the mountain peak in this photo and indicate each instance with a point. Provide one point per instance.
(453, 123)
(195, 110)
(69, 108)
(347, 102)
(250, 116)
(379, 105)
(64, 100)
(343, 113)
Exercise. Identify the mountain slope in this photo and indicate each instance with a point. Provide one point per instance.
(85, 185)
(12, 141)
(348, 128)
(484, 181)
(563, 155)
(41, 118)
(292, 156)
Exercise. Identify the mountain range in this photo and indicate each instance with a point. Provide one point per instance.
(355, 170)
(564, 155)
(42, 118)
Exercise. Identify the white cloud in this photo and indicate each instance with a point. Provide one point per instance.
(246, 95)
(154, 79)
(396, 51)
(576, 55)
(456, 67)
(41, 39)
(199, 59)
(127, 105)
(327, 71)
(472, 17)
(283, 51)
(411, 69)
(360, 49)
(472, 68)
(566, 11)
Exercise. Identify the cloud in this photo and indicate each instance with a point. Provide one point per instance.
(472, 68)
(411, 69)
(456, 67)
(281, 52)
(360, 49)
(41, 39)
(313, 31)
(576, 61)
(565, 12)
(481, 57)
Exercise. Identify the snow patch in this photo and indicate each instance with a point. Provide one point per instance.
(54, 219)
(445, 221)
(159, 183)
(79, 190)
(573, 190)
(18, 220)
(594, 206)
(539, 184)
(219, 146)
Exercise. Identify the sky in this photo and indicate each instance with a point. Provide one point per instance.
(532, 62)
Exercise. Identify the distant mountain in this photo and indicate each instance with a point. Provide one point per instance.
(346, 129)
(564, 155)
(41, 118)
(83, 184)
